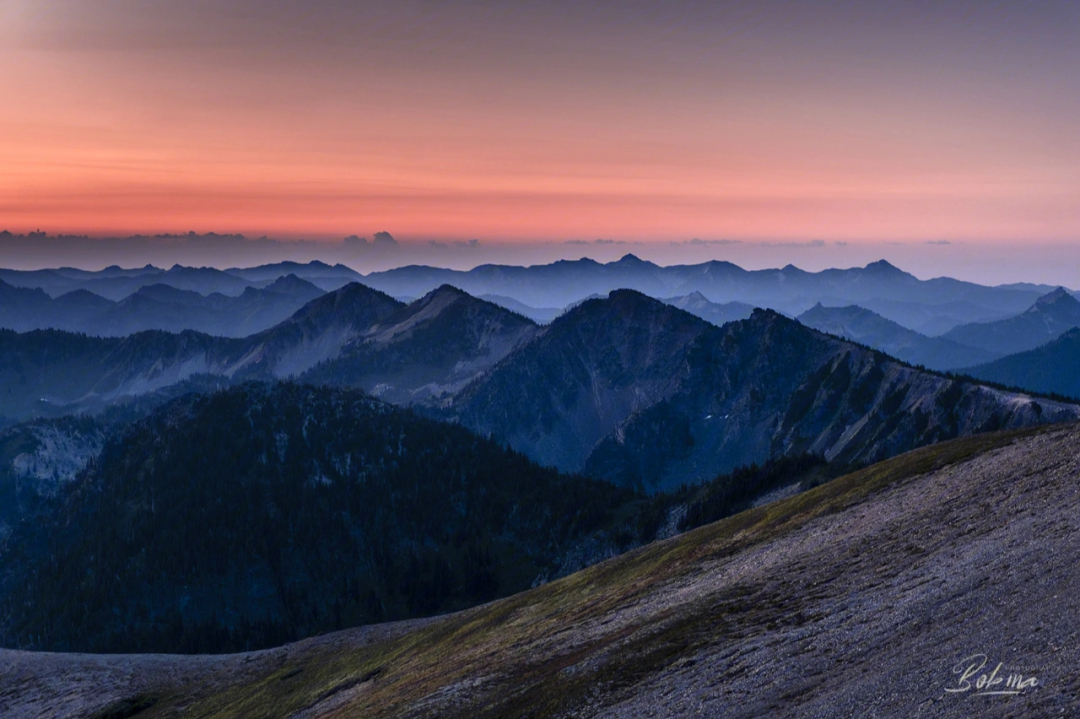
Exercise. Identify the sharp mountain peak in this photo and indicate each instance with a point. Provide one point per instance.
(1058, 297)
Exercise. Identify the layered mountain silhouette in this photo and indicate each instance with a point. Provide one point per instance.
(582, 376)
(542, 292)
(626, 387)
(1050, 316)
(354, 336)
(316, 333)
(49, 372)
(540, 315)
(926, 305)
(26, 308)
(156, 307)
(116, 283)
(869, 328)
(1051, 368)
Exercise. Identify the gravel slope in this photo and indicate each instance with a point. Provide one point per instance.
(876, 606)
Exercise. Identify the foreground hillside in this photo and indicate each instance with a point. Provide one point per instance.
(859, 598)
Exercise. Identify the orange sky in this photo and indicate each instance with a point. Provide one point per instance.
(545, 122)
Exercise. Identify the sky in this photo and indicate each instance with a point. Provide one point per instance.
(942, 136)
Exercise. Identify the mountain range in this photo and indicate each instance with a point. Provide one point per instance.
(156, 307)
(317, 508)
(625, 387)
(198, 460)
(879, 286)
(116, 283)
(542, 292)
(718, 313)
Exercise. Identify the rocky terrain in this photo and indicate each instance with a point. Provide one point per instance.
(581, 377)
(428, 349)
(47, 372)
(871, 595)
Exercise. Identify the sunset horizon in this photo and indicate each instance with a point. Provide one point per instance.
(758, 122)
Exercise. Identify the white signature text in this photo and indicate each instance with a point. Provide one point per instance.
(996, 682)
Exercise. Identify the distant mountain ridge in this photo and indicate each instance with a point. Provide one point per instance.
(543, 291)
(869, 328)
(156, 307)
(448, 338)
(1050, 316)
(717, 313)
(896, 294)
(427, 349)
(116, 283)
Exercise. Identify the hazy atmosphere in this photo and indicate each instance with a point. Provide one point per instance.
(686, 127)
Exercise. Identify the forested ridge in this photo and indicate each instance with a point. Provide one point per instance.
(260, 514)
